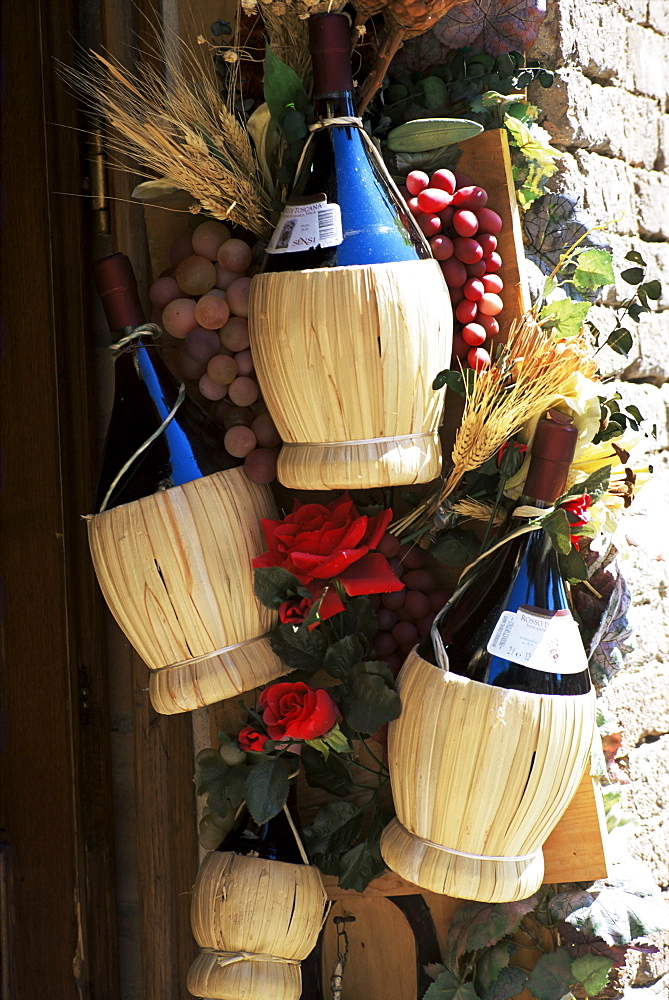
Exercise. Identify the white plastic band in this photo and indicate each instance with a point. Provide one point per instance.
(343, 444)
(473, 857)
(230, 957)
(208, 656)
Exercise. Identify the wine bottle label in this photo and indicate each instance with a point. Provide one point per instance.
(304, 226)
(540, 640)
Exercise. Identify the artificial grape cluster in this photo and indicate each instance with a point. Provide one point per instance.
(203, 302)
(405, 617)
(462, 231)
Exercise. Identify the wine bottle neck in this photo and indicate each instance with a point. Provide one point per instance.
(335, 105)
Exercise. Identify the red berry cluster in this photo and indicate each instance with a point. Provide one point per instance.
(452, 212)
(406, 616)
(203, 303)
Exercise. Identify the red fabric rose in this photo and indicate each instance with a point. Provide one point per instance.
(319, 542)
(250, 739)
(578, 512)
(294, 612)
(297, 711)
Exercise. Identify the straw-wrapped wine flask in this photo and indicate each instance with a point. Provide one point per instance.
(255, 921)
(480, 777)
(175, 570)
(346, 357)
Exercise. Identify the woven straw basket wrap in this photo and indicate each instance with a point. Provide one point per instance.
(481, 771)
(345, 358)
(175, 570)
(255, 921)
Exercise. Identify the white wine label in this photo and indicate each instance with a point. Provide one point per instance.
(540, 640)
(312, 224)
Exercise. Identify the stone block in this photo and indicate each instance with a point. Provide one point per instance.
(652, 362)
(658, 16)
(594, 38)
(662, 161)
(609, 191)
(647, 56)
(606, 120)
(634, 10)
(647, 797)
(652, 204)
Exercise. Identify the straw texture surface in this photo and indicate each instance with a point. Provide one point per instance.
(250, 905)
(349, 354)
(175, 570)
(480, 770)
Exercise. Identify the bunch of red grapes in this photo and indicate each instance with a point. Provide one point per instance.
(462, 232)
(203, 302)
(405, 617)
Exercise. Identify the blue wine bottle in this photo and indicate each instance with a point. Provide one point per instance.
(343, 209)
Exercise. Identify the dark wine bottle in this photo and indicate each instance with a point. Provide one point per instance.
(509, 623)
(145, 397)
(343, 208)
(273, 840)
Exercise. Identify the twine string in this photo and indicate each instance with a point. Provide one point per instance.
(207, 656)
(342, 444)
(465, 854)
(224, 958)
(119, 347)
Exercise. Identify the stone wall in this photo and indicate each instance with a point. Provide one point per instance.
(608, 113)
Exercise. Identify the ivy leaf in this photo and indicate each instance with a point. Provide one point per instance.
(592, 971)
(358, 866)
(653, 289)
(594, 269)
(480, 925)
(371, 702)
(273, 585)
(335, 828)
(282, 85)
(551, 977)
(456, 547)
(633, 275)
(508, 984)
(267, 788)
(565, 316)
(448, 987)
(342, 655)
(556, 524)
(331, 774)
(298, 647)
(620, 340)
(491, 963)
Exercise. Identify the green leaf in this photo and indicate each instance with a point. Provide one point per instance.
(457, 381)
(448, 987)
(370, 703)
(267, 788)
(293, 125)
(633, 275)
(635, 256)
(332, 774)
(546, 78)
(273, 585)
(565, 316)
(592, 971)
(456, 547)
(357, 617)
(572, 566)
(358, 866)
(564, 903)
(430, 133)
(653, 289)
(481, 925)
(342, 655)
(334, 829)
(508, 984)
(551, 977)
(491, 962)
(210, 770)
(335, 740)
(435, 92)
(282, 85)
(596, 485)
(623, 909)
(620, 340)
(556, 524)
(594, 269)
(298, 647)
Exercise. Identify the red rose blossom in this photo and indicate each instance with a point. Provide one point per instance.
(578, 512)
(296, 711)
(321, 542)
(294, 612)
(250, 739)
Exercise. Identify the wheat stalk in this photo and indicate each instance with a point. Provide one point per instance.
(183, 131)
(530, 371)
(475, 510)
